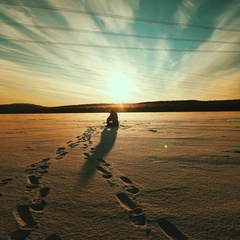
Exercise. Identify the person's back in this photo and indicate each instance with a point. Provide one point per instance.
(112, 120)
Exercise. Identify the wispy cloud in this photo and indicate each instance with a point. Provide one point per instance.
(81, 74)
(186, 10)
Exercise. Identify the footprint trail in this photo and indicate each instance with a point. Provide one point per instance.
(135, 213)
(23, 212)
(34, 173)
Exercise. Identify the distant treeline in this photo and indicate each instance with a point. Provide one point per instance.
(160, 106)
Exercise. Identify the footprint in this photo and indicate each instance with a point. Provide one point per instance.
(43, 192)
(103, 162)
(45, 166)
(60, 149)
(46, 159)
(42, 171)
(126, 202)
(40, 167)
(129, 185)
(87, 155)
(20, 234)
(92, 149)
(73, 145)
(139, 220)
(171, 230)
(32, 179)
(61, 152)
(30, 170)
(33, 183)
(37, 205)
(126, 180)
(136, 215)
(53, 237)
(24, 217)
(85, 145)
(106, 174)
(6, 181)
(132, 189)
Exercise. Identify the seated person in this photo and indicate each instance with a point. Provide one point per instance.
(112, 120)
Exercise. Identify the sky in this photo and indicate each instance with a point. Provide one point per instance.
(57, 52)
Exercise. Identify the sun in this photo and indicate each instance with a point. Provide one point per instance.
(120, 87)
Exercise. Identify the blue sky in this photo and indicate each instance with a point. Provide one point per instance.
(60, 52)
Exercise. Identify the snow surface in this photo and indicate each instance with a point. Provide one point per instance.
(158, 176)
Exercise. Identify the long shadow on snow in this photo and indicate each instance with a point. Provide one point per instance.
(108, 137)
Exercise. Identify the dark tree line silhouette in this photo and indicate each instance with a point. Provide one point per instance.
(160, 106)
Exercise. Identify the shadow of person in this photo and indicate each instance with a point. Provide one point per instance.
(108, 137)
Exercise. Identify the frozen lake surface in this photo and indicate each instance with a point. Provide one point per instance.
(158, 176)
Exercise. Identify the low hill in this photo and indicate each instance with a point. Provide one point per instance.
(160, 106)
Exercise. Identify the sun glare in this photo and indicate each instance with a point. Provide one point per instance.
(120, 87)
